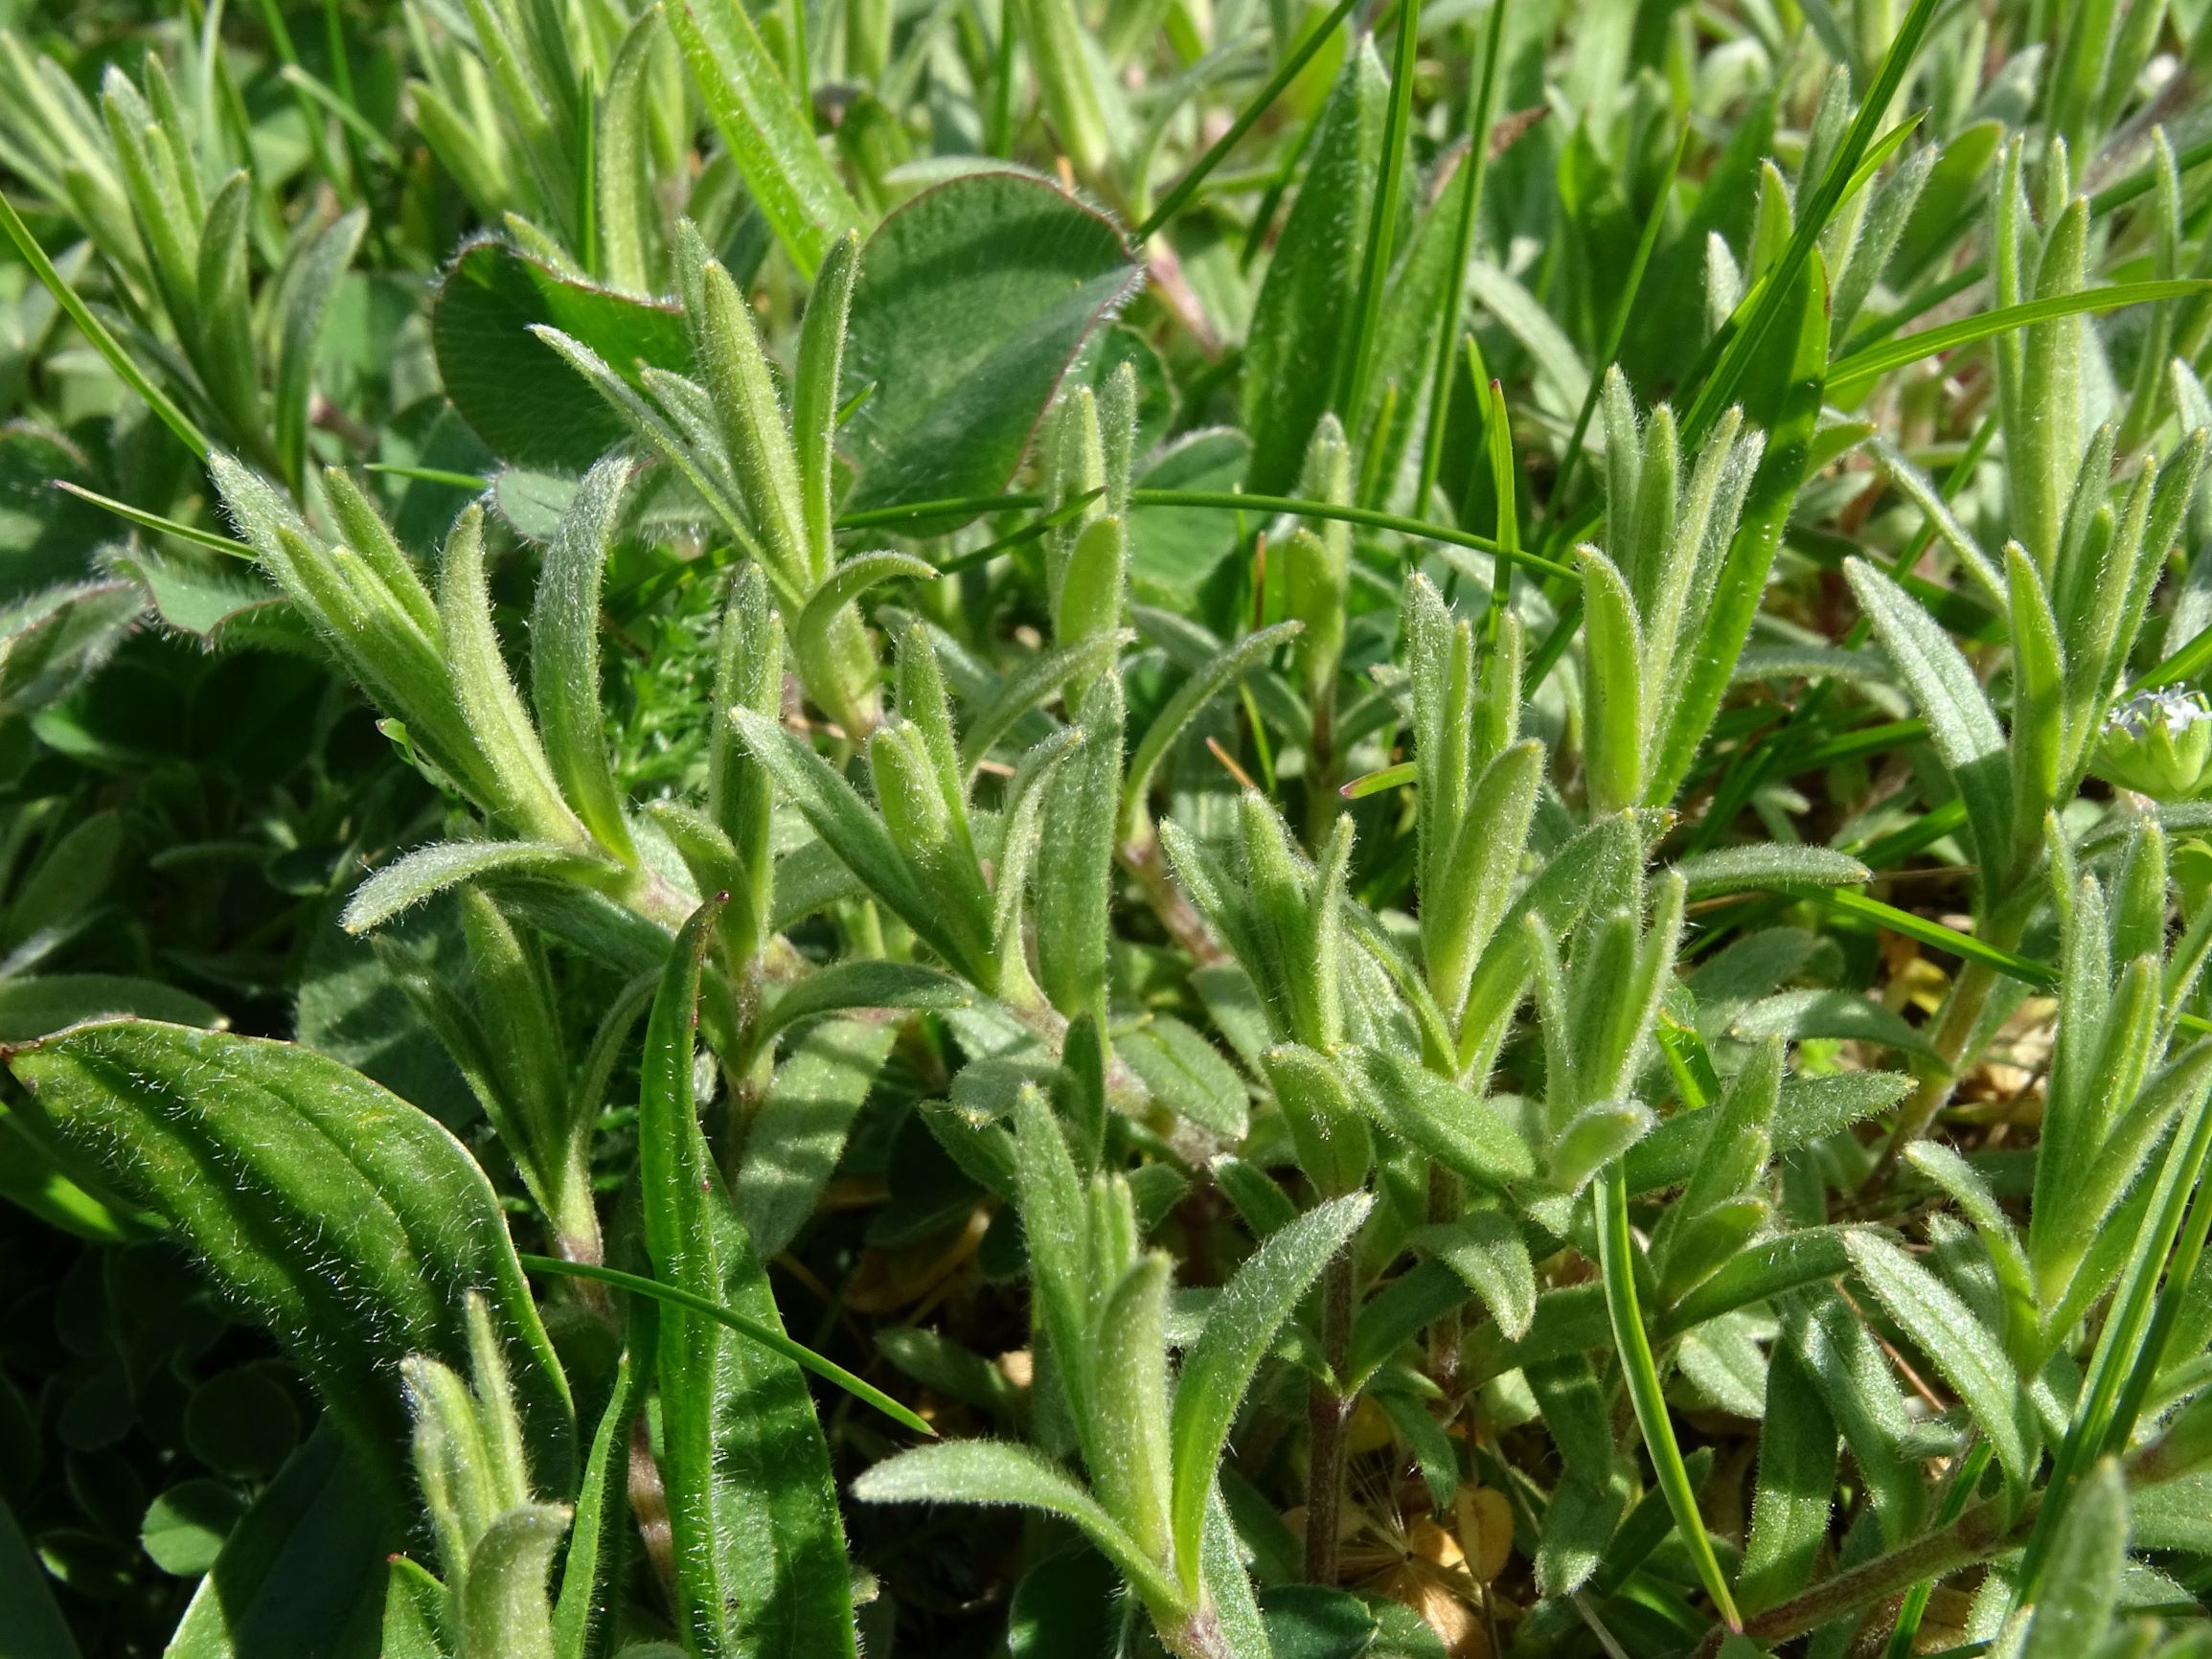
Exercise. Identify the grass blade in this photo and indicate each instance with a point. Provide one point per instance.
(775, 1341)
(188, 433)
(1634, 1347)
(1261, 101)
(1855, 375)
(1480, 114)
(154, 521)
(1382, 223)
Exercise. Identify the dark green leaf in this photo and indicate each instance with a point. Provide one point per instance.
(972, 303)
(345, 1218)
(528, 404)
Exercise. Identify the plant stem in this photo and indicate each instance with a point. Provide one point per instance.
(1445, 1199)
(1328, 1414)
(1140, 856)
(1980, 1533)
(1198, 1636)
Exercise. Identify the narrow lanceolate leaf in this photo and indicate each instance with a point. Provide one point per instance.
(1459, 1129)
(564, 656)
(1970, 1358)
(1302, 321)
(765, 127)
(800, 1127)
(1781, 380)
(599, 1533)
(307, 298)
(1614, 726)
(979, 1471)
(408, 881)
(350, 1221)
(862, 983)
(1775, 867)
(2073, 1606)
(1132, 1403)
(757, 1549)
(814, 391)
(1960, 722)
(1792, 1503)
(1218, 1368)
(842, 820)
(527, 795)
(1074, 887)
(1487, 1252)
(225, 344)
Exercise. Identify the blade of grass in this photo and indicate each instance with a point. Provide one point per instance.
(95, 330)
(1877, 740)
(2185, 663)
(999, 140)
(1215, 500)
(154, 521)
(342, 76)
(2028, 971)
(1188, 185)
(1231, 501)
(428, 475)
(1481, 111)
(1383, 225)
(1948, 819)
(1918, 307)
(828, 1370)
(1857, 373)
(1375, 783)
(309, 87)
(1617, 328)
(1738, 348)
(1611, 1200)
(2173, 1300)
(2141, 183)
(280, 38)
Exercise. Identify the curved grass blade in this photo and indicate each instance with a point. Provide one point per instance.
(1857, 373)
(1382, 223)
(154, 521)
(1737, 350)
(828, 1370)
(1261, 101)
(94, 330)
(1611, 1199)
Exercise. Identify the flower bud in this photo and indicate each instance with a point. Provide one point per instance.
(2157, 743)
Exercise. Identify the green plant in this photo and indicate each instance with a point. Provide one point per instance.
(1438, 873)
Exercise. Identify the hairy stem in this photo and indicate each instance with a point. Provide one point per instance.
(1140, 856)
(1445, 1336)
(1198, 1636)
(1975, 1537)
(1328, 1414)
